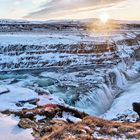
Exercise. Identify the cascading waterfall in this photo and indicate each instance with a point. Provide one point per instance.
(99, 100)
(120, 80)
(96, 101)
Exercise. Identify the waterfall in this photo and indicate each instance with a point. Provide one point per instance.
(120, 80)
(96, 101)
(99, 99)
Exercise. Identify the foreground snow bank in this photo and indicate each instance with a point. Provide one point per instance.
(10, 131)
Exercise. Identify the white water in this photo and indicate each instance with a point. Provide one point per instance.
(96, 101)
(99, 100)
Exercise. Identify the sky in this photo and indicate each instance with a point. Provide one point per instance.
(69, 9)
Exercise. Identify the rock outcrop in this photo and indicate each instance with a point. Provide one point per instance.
(136, 108)
(89, 128)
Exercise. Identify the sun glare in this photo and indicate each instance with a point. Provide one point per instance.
(104, 17)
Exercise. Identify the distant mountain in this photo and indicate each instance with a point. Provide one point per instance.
(64, 21)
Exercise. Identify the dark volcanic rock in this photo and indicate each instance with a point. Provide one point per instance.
(136, 108)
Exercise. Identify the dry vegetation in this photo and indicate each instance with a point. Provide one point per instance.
(89, 128)
(92, 128)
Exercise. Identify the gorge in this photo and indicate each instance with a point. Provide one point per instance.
(66, 63)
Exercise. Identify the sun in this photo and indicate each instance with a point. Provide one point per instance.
(104, 17)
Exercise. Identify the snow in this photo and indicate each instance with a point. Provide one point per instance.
(37, 39)
(39, 117)
(61, 21)
(123, 104)
(10, 131)
(51, 37)
(51, 99)
(8, 100)
(3, 89)
(68, 117)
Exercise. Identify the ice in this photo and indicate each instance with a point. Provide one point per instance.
(8, 100)
(51, 99)
(3, 89)
(39, 117)
(35, 49)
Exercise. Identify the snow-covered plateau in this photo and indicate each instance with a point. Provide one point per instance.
(71, 64)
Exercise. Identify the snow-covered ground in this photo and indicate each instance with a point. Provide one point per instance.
(62, 37)
(37, 39)
(10, 131)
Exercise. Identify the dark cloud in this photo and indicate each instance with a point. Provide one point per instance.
(64, 7)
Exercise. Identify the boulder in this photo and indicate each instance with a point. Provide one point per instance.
(136, 108)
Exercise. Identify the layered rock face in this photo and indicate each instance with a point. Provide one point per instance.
(36, 56)
(61, 44)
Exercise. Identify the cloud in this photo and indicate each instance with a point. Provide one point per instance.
(59, 8)
(34, 2)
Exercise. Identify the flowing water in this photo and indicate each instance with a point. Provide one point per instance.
(93, 94)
